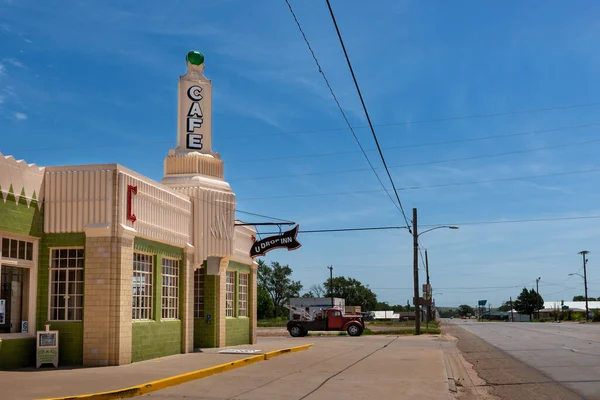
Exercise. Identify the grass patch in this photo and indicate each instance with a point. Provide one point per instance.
(392, 332)
(431, 331)
(272, 322)
(432, 324)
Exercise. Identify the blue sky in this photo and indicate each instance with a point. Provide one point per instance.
(95, 82)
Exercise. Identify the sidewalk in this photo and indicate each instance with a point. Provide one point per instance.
(31, 383)
(371, 366)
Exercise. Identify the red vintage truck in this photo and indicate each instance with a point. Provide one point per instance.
(330, 319)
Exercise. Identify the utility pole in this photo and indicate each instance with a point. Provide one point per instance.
(429, 298)
(416, 273)
(331, 283)
(512, 318)
(587, 312)
(537, 297)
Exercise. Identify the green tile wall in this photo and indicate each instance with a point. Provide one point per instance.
(153, 339)
(158, 338)
(70, 351)
(237, 330)
(20, 218)
(17, 353)
(205, 335)
(162, 249)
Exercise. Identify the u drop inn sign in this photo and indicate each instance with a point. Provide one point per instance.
(286, 240)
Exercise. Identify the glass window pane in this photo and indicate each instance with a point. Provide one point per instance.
(72, 253)
(29, 255)
(5, 247)
(14, 247)
(22, 249)
(63, 253)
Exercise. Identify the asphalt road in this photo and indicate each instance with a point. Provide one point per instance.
(337, 367)
(567, 353)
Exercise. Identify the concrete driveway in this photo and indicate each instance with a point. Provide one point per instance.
(366, 367)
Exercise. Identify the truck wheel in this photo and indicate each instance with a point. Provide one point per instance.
(354, 330)
(296, 331)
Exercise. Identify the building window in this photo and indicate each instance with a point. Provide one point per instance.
(199, 293)
(66, 284)
(170, 288)
(142, 286)
(243, 296)
(17, 249)
(229, 293)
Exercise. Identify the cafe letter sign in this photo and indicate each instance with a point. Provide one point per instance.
(194, 118)
(286, 240)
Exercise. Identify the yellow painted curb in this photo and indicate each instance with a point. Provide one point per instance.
(153, 386)
(276, 353)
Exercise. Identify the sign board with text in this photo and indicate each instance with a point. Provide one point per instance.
(47, 347)
(286, 240)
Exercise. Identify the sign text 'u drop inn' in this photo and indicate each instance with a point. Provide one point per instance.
(286, 240)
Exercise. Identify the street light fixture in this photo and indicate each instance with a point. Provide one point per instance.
(416, 267)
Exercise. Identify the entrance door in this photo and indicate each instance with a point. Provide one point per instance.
(11, 291)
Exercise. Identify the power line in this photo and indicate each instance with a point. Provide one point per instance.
(167, 142)
(458, 224)
(367, 113)
(341, 109)
(263, 216)
(426, 162)
(423, 121)
(517, 221)
(377, 228)
(426, 186)
(407, 146)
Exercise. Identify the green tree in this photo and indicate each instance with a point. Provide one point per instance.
(354, 292)
(527, 302)
(315, 290)
(276, 281)
(464, 310)
(264, 306)
(382, 306)
(582, 298)
(505, 306)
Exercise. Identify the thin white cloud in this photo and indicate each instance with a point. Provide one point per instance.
(14, 62)
(2, 70)
(20, 116)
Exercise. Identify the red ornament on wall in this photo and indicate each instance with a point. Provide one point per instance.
(131, 190)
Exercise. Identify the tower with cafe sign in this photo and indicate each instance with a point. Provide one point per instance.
(196, 170)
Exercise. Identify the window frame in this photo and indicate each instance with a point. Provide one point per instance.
(242, 298)
(29, 252)
(66, 282)
(169, 312)
(229, 303)
(152, 285)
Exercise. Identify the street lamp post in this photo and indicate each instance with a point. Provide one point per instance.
(416, 268)
(583, 254)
